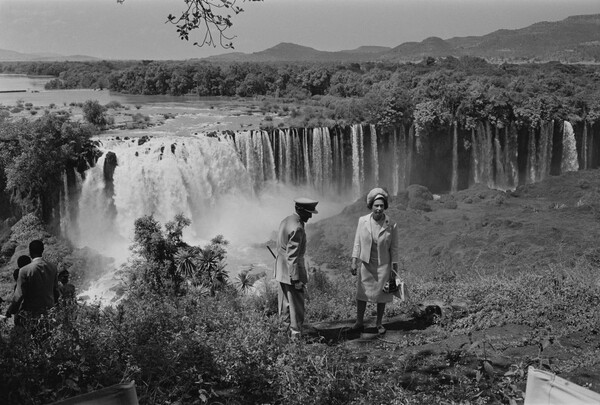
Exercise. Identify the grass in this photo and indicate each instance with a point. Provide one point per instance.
(512, 292)
(232, 348)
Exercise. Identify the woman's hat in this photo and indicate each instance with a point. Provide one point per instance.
(376, 194)
(306, 204)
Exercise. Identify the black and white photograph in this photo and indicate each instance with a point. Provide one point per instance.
(276, 202)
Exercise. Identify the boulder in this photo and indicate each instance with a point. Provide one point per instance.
(416, 191)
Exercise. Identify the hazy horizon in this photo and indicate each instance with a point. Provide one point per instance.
(137, 28)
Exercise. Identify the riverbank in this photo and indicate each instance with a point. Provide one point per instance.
(138, 112)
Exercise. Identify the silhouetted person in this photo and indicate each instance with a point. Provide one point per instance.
(66, 289)
(37, 286)
(22, 261)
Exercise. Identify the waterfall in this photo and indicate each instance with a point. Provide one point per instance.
(569, 162)
(544, 152)
(513, 154)
(65, 217)
(396, 163)
(374, 155)
(256, 154)
(454, 180)
(358, 174)
(287, 153)
(402, 159)
(338, 162)
(531, 158)
(475, 173)
(322, 159)
(489, 156)
(409, 154)
(482, 155)
(584, 146)
(501, 181)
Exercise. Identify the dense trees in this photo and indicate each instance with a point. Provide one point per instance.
(442, 92)
(34, 156)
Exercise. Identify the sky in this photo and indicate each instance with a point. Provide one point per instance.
(136, 29)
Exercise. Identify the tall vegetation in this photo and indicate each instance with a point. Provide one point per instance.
(449, 91)
(34, 156)
(189, 346)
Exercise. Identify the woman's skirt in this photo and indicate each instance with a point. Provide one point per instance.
(370, 282)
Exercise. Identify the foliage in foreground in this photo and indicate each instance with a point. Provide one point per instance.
(187, 346)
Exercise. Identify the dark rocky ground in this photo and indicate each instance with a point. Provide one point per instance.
(548, 226)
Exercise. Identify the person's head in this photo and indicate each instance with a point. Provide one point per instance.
(36, 248)
(377, 200)
(63, 276)
(305, 208)
(23, 260)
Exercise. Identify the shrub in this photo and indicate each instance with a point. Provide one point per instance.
(93, 112)
(114, 104)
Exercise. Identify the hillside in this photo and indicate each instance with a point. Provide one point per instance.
(574, 39)
(482, 229)
(494, 274)
(288, 52)
(13, 56)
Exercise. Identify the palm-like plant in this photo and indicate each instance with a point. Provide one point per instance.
(186, 266)
(244, 281)
(212, 269)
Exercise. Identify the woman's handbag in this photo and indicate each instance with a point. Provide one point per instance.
(396, 287)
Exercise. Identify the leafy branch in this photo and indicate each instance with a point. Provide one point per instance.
(211, 18)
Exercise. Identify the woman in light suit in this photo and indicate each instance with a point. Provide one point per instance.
(374, 255)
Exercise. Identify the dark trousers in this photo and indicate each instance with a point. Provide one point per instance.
(291, 307)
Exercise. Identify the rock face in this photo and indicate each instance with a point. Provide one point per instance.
(110, 163)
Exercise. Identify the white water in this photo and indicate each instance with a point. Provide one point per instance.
(569, 162)
(221, 191)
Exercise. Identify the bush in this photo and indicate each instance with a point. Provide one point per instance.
(93, 113)
(113, 104)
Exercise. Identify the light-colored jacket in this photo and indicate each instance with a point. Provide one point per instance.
(291, 245)
(387, 241)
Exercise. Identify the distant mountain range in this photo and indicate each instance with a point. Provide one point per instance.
(574, 39)
(13, 56)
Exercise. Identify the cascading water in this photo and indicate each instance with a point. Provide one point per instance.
(241, 184)
(225, 184)
(358, 171)
(569, 162)
(374, 154)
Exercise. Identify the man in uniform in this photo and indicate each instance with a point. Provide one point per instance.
(290, 269)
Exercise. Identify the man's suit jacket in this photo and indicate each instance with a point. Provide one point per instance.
(37, 287)
(291, 245)
(387, 241)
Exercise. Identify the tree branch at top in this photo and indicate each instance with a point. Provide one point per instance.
(211, 18)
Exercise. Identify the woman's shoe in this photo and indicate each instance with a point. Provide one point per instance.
(381, 330)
